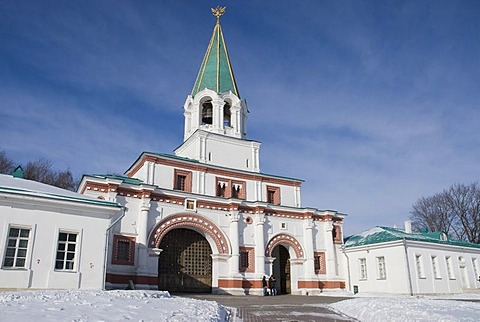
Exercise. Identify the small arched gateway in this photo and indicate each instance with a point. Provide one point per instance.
(187, 243)
(278, 249)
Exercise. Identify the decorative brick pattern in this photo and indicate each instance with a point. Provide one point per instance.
(284, 239)
(185, 221)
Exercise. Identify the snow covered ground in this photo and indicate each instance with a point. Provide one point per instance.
(42, 306)
(389, 307)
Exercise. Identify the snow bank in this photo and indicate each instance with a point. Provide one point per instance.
(105, 306)
(408, 309)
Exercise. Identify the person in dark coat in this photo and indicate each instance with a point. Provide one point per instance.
(264, 286)
(272, 285)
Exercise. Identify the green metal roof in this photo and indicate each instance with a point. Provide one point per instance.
(117, 177)
(216, 72)
(379, 234)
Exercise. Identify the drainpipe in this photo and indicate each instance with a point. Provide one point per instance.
(408, 267)
(348, 269)
(107, 235)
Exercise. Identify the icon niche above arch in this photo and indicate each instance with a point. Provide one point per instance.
(192, 221)
(284, 239)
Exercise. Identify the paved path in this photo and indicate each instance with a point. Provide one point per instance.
(285, 308)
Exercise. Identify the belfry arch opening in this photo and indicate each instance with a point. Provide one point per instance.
(227, 115)
(207, 112)
(185, 263)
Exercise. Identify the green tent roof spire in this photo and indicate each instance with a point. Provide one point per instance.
(216, 72)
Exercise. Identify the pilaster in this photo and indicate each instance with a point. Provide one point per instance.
(259, 244)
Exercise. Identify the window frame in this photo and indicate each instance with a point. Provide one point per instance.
(419, 266)
(381, 268)
(27, 248)
(226, 191)
(130, 261)
(319, 263)
(362, 266)
(449, 264)
(66, 251)
(187, 183)
(435, 267)
(249, 252)
(274, 191)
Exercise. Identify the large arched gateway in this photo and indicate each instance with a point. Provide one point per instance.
(185, 263)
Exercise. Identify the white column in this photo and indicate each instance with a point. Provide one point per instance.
(202, 149)
(330, 247)
(308, 242)
(217, 105)
(259, 245)
(298, 198)
(201, 182)
(235, 259)
(258, 191)
(142, 231)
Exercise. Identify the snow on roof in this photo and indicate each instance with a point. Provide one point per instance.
(9, 184)
(385, 234)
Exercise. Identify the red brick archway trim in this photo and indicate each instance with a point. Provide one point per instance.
(284, 239)
(189, 221)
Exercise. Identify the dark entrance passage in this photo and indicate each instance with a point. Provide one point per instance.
(185, 264)
(281, 269)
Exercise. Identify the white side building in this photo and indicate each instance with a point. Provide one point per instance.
(390, 260)
(51, 237)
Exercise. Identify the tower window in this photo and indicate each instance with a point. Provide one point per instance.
(180, 184)
(236, 190)
(207, 113)
(227, 115)
(182, 180)
(221, 189)
(273, 195)
(228, 188)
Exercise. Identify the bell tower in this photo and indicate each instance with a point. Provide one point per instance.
(215, 115)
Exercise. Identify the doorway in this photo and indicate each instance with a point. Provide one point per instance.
(281, 269)
(185, 264)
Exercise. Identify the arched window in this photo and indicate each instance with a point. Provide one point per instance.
(207, 112)
(226, 115)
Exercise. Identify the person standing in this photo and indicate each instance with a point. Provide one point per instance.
(272, 285)
(264, 286)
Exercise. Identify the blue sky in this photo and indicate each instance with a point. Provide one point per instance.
(373, 103)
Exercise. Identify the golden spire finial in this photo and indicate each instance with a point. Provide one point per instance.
(218, 12)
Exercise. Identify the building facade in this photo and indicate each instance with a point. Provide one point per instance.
(206, 219)
(390, 260)
(52, 238)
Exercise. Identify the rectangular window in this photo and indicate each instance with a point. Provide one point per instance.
(66, 249)
(319, 263)
(363, 268)
(123, 250)
(476, 270)
(244, 259)
(337, 234)
(436, 271)
(17, 247)
(450, 274)
(180, 184)
(419, 265)
(228, 188)
(182, 180)
(382, 271)
(273, 195)
(247, 260)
